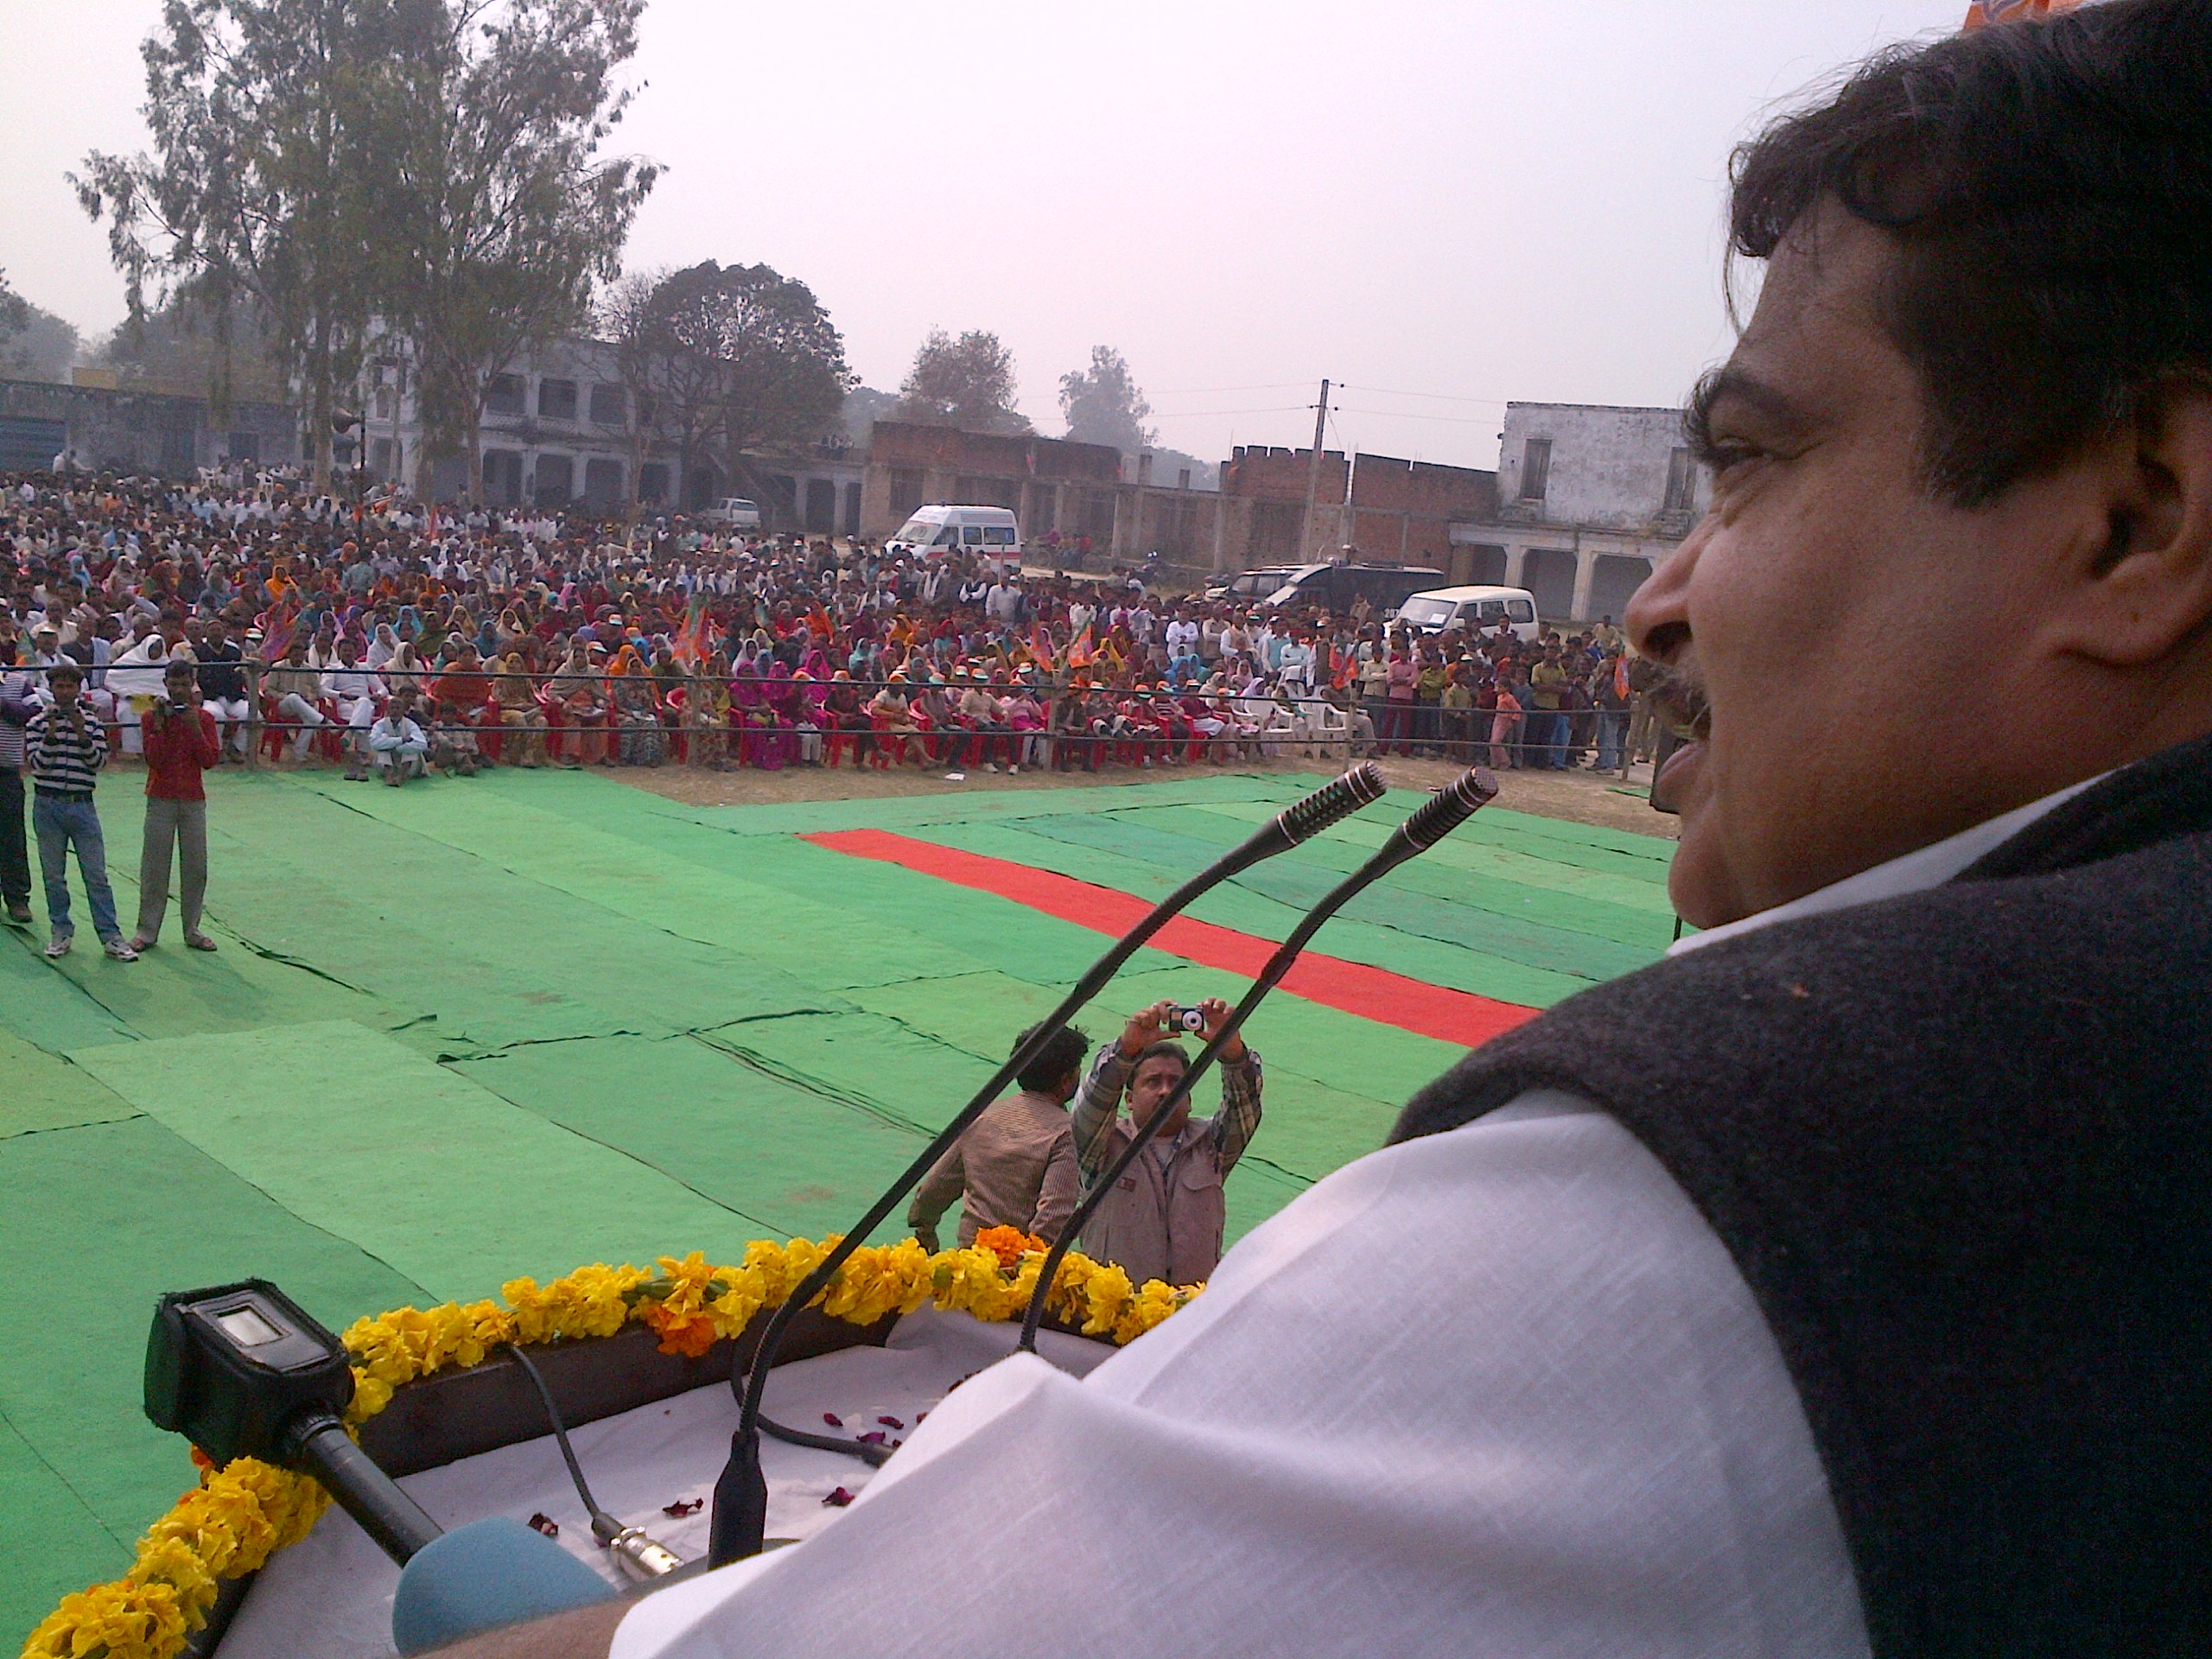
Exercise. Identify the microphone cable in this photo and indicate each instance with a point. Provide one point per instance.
(741, 1516)
(1436, 818)
(641, 1557)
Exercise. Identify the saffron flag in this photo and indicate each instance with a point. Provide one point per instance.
(1079, 649)
(691, 644)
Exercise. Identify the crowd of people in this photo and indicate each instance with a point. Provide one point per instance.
(397, 637)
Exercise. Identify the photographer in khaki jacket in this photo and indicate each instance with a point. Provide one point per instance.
(1164, 1220)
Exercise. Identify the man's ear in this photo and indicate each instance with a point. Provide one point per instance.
(2143, 576)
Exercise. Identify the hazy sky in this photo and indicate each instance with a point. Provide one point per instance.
(1470, 202)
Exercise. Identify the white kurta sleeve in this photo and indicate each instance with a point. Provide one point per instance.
(1500, 1391)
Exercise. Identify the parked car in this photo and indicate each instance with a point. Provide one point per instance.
(1250, 587)
(1472, 610)
(1384, 587)
(988, 532)
(734, 513)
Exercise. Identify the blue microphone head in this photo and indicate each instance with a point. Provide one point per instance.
(481, 1576)
(1450, 807)
(1361, 786)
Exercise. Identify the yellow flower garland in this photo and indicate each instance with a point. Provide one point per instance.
(242, 1514)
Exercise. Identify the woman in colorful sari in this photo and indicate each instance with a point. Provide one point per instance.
(637, 710)
(749, 711)
(384, 645)
(842, 713)
(807, 717)
(579, 691)
(406, 669)
(1025, 718)
(780, 695)
(706, 714)
(520, 717)
(672, 685)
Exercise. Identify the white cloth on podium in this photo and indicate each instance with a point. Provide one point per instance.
(330, 1595)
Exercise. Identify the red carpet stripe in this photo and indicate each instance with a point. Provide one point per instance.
(1352, 987)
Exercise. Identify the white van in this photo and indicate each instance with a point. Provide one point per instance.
(988, 532)
(1472, 610)
(735, 511)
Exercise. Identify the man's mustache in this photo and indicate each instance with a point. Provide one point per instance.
(1675, 691)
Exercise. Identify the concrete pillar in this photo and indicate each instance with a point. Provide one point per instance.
(1586, 566)
(1517, 555)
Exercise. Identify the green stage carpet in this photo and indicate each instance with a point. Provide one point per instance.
(472, 1030)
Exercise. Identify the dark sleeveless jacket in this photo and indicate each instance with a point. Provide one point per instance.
(1960, 1144)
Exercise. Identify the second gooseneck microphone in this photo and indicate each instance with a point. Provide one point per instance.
(1436, 818)
(741, 1516)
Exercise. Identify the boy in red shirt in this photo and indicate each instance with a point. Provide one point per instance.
(182, 743)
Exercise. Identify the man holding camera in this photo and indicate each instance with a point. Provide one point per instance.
(182, 743)
(1165, 1218)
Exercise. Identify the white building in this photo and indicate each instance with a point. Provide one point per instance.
(1590, 499)
(559, 428)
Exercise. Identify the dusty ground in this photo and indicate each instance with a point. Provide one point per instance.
(1580, 797)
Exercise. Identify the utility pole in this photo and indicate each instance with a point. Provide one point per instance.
(1313, 475)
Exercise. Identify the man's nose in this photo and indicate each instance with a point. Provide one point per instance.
(1658, 620)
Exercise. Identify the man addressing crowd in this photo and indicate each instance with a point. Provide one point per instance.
(1839, 1285)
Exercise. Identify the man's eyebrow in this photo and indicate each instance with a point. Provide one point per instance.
(1732, 383)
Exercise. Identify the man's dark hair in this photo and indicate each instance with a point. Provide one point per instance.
(1164, 1046)
(2050, 188)
(1062, 1055)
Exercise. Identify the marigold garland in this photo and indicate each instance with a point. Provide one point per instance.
(242, 1514)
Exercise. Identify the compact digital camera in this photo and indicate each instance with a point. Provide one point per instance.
(1190, 1019)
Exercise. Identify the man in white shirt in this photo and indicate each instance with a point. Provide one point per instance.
(1509, 1387)
(396, 744)
(358, 692)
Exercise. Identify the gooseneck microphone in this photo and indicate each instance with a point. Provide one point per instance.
(1436, 818)
(740, 1517)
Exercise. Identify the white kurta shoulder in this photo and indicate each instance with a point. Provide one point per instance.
(1498, 1391)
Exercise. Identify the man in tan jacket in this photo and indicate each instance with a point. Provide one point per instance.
(1015, 1166)
(1165, 1218)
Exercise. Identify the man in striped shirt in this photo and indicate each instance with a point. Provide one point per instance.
(65, 746)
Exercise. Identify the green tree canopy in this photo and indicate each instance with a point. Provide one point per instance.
(1103, 404)
(968, 382)
(424, 168)
(258, 190)
(499, 211)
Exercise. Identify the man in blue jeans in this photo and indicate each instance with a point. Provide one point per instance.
(65, 746)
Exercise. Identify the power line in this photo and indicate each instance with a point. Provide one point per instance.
(1209, 392)
(1406, 415)
(1435, 397)
(1194, 413)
